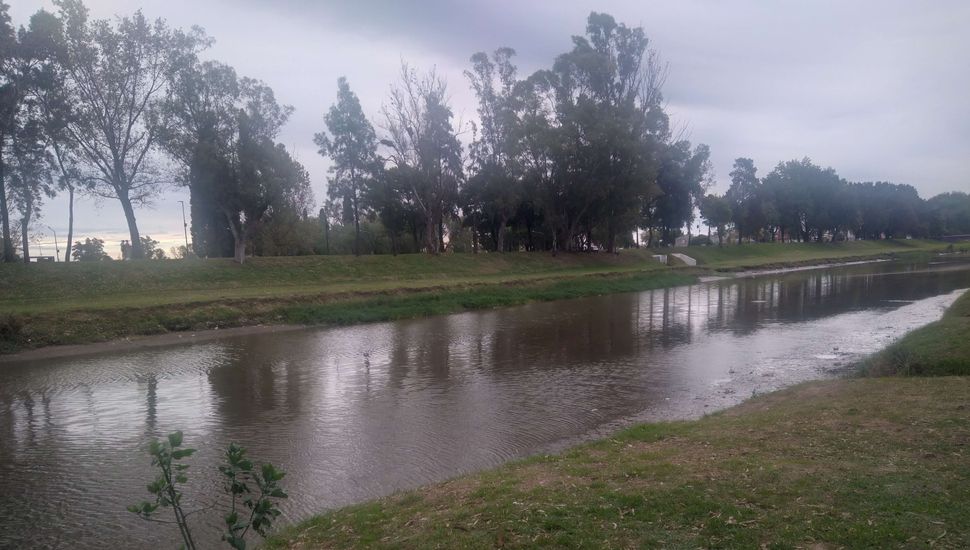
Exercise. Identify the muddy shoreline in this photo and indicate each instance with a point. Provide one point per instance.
(143, 342)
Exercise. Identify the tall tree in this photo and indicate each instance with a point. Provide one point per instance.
(493, 194)
(116, 74)
(10, 97)
(198, 123)
(264, 178)
(30, 175)
(426, 153)
(351, 144)
(24, 133)
(741, 195)
(610, 128)
(48, 92)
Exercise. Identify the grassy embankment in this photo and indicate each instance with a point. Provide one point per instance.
(864, 462)
(50, 304)
(938, 349)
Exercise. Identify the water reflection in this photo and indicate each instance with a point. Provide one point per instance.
(357, 412)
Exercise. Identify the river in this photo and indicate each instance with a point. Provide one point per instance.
(358, 412)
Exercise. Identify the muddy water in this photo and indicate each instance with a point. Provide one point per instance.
(358, 412)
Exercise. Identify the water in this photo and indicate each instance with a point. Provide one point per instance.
(359, 412)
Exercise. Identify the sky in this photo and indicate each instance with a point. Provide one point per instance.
(877, 89)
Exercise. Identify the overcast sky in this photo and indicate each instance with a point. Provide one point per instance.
(876, 89)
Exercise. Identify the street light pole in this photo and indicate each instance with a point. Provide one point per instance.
(57, 247)
(185, 229)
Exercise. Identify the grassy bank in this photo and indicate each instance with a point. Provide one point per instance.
(938, 349)
(853, 463)
(763, 255)
(53, 304)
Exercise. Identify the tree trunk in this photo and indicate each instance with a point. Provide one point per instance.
(500, 244)
(356, 226)
(24, 224)
(429, 236)
(70, 222)
(239, 247)
(238, 238)
(440, 244)
(5, 214)
(137, 251)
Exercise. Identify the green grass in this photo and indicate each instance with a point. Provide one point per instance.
(938, 349)
(751, 255)
(865, 463)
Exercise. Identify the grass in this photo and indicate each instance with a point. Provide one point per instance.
(754, 255)
(863, 463)
(54, 304)
(938, 349)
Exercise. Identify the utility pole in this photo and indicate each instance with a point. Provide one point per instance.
(185, 230)
(57, 247)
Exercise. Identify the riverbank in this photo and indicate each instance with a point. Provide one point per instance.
(55, 305)
(859, 462)
(849, 463)
(938, 349)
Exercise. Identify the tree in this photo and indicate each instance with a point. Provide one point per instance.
(493, 193)
(426, 153)
(264, 179)
(682, 179)
(609, 128)
(116, 74)
(716, 211)
(949, 214)
(30, 175)
(91, 250)
(352, 146)
(741, 195)
(198, 123)
(8, 101)
(152, 251)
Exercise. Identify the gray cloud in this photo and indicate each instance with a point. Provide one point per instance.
(874, 88)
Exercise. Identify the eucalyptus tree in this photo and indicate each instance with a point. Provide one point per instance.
(53, 106)
(24, 139)
(351, 144)
(425, 151)
(741, 195)
(116, 73)
(10, 98)
(198, 123)
(494, 193)
(611, 127)
(264, 179)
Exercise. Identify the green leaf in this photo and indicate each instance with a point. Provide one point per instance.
(175, 439)
(182, 453)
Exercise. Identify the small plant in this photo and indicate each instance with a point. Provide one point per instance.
(240, 472)
(241, 475)
(166, 455)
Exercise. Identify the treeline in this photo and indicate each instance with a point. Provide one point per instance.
(801, 201)
(574, 157)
